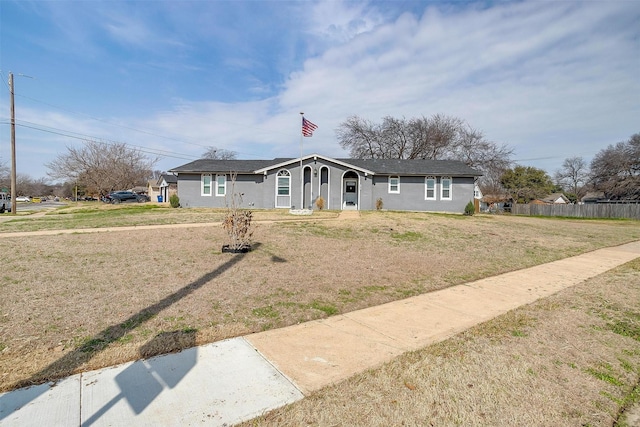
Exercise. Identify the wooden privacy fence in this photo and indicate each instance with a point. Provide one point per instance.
(595, 210)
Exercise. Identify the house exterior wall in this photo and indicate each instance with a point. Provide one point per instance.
(190, 191)
(153, 191)
(412, 195)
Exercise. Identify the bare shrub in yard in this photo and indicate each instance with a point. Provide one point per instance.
(320, 203)
(237, 222)
(379, 203)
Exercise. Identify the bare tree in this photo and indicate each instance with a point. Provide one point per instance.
(102, 167)
(219, 154)
(573, 175)
(437, 137)
(616, 170)
(396, 135)
(488, 157)
(361, 137)
(5, 178)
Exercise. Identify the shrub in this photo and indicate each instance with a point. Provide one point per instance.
(379, 203)
(174, 200)
(237, 222)
(470, 209)
(320, 203)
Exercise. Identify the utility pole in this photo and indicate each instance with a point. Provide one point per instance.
(14, 204)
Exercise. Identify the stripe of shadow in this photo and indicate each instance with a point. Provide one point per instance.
(81, 355)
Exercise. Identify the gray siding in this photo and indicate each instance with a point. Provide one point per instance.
(190, 191)
(413, 190)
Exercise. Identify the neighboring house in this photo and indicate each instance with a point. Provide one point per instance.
(167, 185)
(552, 199)
(593, 197)
(153, 190)
(415, 185)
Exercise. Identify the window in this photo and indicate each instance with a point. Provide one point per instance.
(445, 190)
(430, 191)
(284, 183)
(394, 184)
(206, 185)
(221, 185)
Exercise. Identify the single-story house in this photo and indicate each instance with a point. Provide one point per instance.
(359, 184)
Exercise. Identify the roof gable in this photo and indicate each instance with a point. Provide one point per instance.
(340, 162)
(553, 198)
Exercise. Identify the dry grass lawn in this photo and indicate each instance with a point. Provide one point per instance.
(77, 302)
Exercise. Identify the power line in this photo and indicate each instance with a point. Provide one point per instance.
(147, 132)
(84, 137)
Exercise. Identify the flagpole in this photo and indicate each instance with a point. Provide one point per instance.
(301, 171)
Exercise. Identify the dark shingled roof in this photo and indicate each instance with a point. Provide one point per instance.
(170, 179)
(239, 166)
(378, 166)
(414, 167)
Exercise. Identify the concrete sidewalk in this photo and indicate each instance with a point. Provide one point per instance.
(238, 379)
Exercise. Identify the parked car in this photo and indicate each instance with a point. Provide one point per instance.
(5, 202)
(23, 199)
(125, 196)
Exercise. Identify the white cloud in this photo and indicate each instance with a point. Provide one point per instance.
(546, 78)
(339, 22)
(523, 72)
(552, 79)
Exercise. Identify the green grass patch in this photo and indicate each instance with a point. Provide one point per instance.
(125, 338)
(267, 312)
(89, 345)
(604, 376)
(327, 308)
(136, 320)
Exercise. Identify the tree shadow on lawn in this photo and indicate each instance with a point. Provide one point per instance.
(68, 363)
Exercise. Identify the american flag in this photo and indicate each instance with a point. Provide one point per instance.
(308, 127)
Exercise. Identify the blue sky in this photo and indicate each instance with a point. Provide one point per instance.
(552, 79)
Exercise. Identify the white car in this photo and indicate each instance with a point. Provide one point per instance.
(22, 199)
